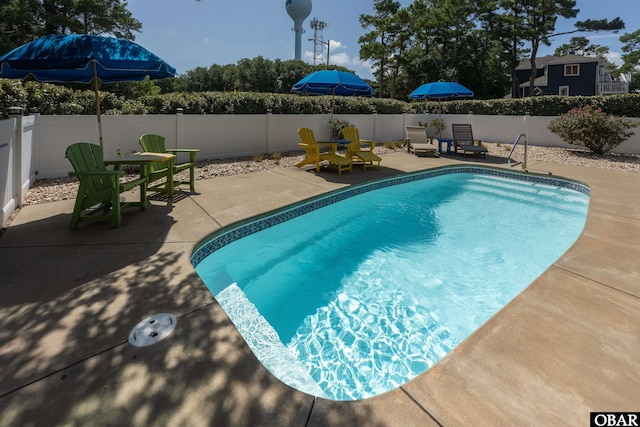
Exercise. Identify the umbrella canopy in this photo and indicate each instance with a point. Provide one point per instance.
(333, 82)
(441, 90)
(80, 58)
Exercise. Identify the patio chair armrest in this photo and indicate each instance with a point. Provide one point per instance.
(372, 144)
(314, 147)
(182, 150)
(192, 152)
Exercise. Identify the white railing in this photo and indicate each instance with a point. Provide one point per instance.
(613, 88)
(522, 136)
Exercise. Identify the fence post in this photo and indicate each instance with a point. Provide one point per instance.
(179, 126)
(16, 191)
(30, 147)
(375, 116)
(267, 130)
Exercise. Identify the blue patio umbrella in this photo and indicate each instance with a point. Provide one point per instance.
(441, 90)
(80, 58)
(332, 82)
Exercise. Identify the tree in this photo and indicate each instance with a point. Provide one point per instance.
(596, 25)
(288, 73)
(440, 30)
(105, 17)
(248, 75)
(133, 90)
(400, 46)
(380, 43)
(24, 20)
(631, 58)
(19, 22)
(454, 40)
(581, 46)
(539, 22)
(505, 29)
(255, 75)
(631, 49)
(540, 18)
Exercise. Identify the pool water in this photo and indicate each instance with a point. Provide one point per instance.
(357, 297)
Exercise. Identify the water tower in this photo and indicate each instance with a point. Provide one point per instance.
(298, 10)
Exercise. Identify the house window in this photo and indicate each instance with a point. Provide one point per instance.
(564, 91)
(572, 70)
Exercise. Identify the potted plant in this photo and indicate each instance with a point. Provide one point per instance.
(438, 126)
(336, 125)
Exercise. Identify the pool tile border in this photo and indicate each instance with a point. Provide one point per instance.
(232, 233)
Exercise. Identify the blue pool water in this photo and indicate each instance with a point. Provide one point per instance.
(351, 295)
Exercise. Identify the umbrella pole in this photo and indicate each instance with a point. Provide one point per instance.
(333, 102)
(95, 89)
(333, 94)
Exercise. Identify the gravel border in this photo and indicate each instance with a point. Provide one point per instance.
(55, 189)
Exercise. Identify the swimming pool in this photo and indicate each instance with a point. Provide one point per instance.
(354, 293)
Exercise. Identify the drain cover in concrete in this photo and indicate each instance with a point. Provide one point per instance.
(152, 329)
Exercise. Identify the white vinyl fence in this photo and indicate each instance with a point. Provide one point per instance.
(18, 161)
(34, 146)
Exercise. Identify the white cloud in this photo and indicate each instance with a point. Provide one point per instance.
(335, 44)
(362, 68)
(614, 57)
(307, 56)
(602, 36)
(339, 55)
(341, 58)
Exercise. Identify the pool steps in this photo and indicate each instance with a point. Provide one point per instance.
(529, 192)
(265, 342)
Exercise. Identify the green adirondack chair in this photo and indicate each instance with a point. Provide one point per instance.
(98, 197)
(153, 143)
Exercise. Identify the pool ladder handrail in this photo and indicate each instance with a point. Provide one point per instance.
(513, 147)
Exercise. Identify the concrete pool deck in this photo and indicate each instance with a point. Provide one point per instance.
(567, 345)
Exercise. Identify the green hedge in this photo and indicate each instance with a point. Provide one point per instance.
(52, 99)
(617, 105)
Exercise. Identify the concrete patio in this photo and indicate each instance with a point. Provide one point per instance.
(566, 346)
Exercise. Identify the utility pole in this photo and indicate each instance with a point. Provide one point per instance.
(318, 41)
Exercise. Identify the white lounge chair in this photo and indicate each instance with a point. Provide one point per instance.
(417, 142)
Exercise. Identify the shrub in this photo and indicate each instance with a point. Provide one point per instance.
(590, 127)
(393, 145)
(336, 126)
(79, 99)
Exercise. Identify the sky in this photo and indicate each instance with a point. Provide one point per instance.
(189, 33)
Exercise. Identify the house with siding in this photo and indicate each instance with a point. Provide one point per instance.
(569, 75)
